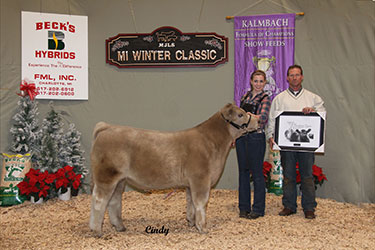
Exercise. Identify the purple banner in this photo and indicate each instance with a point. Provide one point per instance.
(264, 42)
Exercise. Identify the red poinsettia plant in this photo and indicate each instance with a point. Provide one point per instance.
(318, 175)
(266, 170)
(36, 184)
(44, 184)
(65, 177)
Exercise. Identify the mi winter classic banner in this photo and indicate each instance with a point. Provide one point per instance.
(55, 55)
(264, 42)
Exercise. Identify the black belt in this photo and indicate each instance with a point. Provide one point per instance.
(253, 132)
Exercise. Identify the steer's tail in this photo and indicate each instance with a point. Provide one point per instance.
(99, 127)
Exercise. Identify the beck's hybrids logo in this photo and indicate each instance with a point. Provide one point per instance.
(56, 40)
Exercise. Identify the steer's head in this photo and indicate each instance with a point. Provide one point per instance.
(240, 121)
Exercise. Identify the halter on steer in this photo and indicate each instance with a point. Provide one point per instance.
(243, 126)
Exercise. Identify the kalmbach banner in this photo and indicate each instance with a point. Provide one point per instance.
(264, 42)
(166, 47)
(55, 55)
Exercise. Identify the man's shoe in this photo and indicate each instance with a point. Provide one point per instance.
(286, 212)
(309, 215)
(254, 216)
(244, 214)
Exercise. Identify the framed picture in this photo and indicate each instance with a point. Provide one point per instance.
(295, 131)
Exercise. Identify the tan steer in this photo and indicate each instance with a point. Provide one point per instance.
(145, 159)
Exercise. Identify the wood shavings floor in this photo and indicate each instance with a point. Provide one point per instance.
(58, 224)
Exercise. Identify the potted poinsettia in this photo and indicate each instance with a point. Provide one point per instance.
(36, 184)
(65, 180)
(267, 172)
(318, 175)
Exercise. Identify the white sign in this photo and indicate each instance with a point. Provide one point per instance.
(55, 55)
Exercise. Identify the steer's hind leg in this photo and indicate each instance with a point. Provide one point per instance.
(200, 192)
(190, 209)
(115, 207)
(100, 197)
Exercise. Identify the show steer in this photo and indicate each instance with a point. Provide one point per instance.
(193, 159)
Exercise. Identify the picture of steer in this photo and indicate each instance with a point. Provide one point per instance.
(305, 135)
(299, 136)
(193, 159)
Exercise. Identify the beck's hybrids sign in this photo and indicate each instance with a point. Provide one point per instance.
(55, 55)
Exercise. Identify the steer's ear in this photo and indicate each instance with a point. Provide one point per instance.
(228, 111)
(228, 105)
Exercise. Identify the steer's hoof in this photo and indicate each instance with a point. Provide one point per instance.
(97, 234)
(202, 230)
(191, 223)
(120, 228)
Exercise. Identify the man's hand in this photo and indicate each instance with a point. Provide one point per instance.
(308, 110)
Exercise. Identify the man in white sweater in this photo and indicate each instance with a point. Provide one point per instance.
(295, 98)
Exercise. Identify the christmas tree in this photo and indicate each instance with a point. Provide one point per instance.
(50, 142)
(71, 153)
(25, 125)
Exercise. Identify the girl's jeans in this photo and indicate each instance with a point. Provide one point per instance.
(250, 150)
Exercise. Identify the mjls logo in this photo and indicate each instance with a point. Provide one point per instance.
(55, 40)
